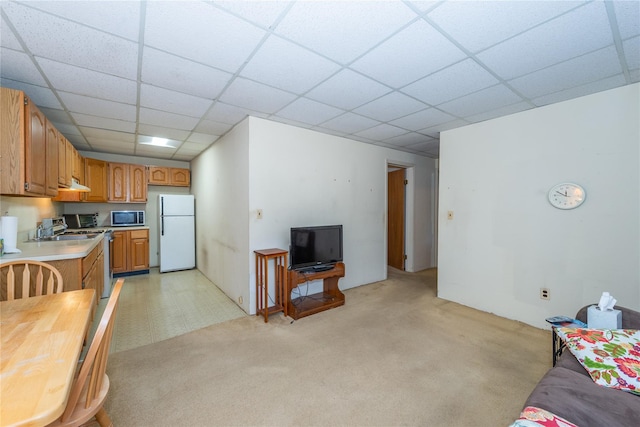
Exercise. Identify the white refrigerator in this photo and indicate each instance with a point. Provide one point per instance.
(177, 232)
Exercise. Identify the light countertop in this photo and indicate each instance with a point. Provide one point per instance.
(53, 250)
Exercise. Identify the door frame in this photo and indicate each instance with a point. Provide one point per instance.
(409, 197)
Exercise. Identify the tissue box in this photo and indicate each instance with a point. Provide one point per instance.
(608, 319)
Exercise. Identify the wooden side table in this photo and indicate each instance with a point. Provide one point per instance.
(262, 281)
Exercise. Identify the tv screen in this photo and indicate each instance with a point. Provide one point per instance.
(315, 246)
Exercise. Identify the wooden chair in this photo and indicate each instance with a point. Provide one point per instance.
(53, 282)
(91, 385)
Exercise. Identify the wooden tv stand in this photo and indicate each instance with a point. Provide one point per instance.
(307, 305)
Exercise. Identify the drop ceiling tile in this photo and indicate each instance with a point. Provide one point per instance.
(171, 101)
(347, 89)
(628, 17)
(390, 107)
(86, 82)
(575, 92)
(422, 119)
(171, 120)
(103, 123)
(408, 139)
(193, 146)
(256, 96)
(41, 96)
(502, 111)
(211, 127)
(349, 123)
(7, 37)
(434, 131)
(343, 31)
(583, 30)
(423, 5)
(430, 145)
(585, 69)
(54, 114)
(162, 132)
(452, 82)
(153, 151)
(65, 41)
(478, 25)
(98, 107)
(120, 18)
(18, 66)
(487, 99)
(200, 22)
(108, 144)
(412, 53)
(108, 134)
(230, 114)
(284, 65)
(202, 139)
(78, 142)
(262, 13)
(65, 128)
(172, 72)
(308, 111)
(382, 132)
(631, 49)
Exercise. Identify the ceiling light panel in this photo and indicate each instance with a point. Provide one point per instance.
(198, 22)
(343, 31)
(408, 55)
(51, 37)
(581, 31)
(287, 66)
(163, 132)
(175, 73)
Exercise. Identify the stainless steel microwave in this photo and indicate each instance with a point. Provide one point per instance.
(127, 218)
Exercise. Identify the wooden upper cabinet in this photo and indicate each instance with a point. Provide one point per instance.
(78, 171)
(70, 156)
(177, 177)
(127, 183)
(64, 176)
(26, 158)
(96, 179)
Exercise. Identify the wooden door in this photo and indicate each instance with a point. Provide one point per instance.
(139, 250)
(35, 150)
(51, 159)
(118, 182)
(137, 183)
(395, 218)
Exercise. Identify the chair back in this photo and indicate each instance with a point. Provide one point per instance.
(30, 278)
(89, 382)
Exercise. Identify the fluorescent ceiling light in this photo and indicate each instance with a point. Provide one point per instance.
(158, 142)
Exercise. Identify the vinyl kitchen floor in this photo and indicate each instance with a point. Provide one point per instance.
(154, 307)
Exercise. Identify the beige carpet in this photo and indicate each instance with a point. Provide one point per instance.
(393, 355)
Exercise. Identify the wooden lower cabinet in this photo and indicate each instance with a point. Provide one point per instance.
(83, 273)
(130, 251)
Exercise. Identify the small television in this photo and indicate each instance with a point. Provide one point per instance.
(315, 248)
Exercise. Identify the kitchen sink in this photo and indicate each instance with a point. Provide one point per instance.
(70, 236)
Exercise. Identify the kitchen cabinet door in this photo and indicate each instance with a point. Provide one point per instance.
(139, 250)
(158, 175)
(35, 147)
(64, 179)
(51, 159)
(96, 180)
(118, 252)
(180, 177)
(137, 183)
(118, 182)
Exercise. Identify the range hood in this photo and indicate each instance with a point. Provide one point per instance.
(76, 186)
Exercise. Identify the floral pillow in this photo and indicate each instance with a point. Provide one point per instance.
(536, 417)
(612, 357)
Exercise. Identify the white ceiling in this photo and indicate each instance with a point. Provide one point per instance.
(392, 73)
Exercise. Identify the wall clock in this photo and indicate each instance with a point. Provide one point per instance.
(566, 195)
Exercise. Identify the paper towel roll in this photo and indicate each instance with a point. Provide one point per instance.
(9, 232)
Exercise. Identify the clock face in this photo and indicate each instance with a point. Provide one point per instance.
(567, 195)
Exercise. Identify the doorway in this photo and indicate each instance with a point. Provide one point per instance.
(396, 184)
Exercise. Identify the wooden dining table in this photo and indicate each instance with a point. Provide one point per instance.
(41, 339)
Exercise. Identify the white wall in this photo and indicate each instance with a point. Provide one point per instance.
(299, 177)
(30, 211)
(506, 241)
(220, 178)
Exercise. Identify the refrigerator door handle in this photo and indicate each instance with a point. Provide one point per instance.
(162, 225)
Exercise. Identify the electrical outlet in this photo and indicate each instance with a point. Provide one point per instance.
(545, 293)
(449, 215)
(259, 213)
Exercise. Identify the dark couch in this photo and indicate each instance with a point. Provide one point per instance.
(568, 391)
